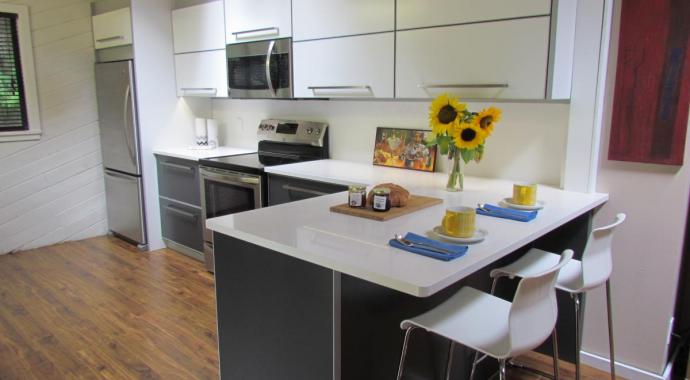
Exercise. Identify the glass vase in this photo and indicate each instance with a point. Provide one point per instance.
(456, 175)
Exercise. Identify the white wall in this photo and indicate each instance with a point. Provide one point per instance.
(647, 249)
(528, 144)
(164, 120)
(51, 190)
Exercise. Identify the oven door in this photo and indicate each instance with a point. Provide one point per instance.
(260, 69)
(226, 192)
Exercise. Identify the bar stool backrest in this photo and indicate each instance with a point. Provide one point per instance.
(534, 310)
(597, 262)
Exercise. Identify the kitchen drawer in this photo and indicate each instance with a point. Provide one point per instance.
(313, 19)
(112, 28)
(199, 28)
(288, 189)
(498, 60)
(345, 67)
(426, 13)
(202, 74)
(182, 224)
(178, 179)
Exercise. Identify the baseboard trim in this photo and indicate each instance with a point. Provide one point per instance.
(624, 370)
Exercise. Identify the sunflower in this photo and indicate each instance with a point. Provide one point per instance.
(486, 119)
(468, 136)
(443, 112)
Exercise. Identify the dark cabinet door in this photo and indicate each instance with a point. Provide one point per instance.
(288, 189)
(182, 224)
(178, 179)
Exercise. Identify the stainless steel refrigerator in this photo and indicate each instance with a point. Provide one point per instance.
(120, 148)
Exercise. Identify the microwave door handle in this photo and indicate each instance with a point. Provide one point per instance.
(269, 80)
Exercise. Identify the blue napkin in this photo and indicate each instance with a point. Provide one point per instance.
(458, 250)
(507, 213)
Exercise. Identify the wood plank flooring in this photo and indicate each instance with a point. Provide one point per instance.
(99, 309)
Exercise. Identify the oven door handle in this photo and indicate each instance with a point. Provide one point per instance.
(229, 177)
(269, 80)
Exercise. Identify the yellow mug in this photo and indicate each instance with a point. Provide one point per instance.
(459, 221)
(525, 194)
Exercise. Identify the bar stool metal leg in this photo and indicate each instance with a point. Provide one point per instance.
(502, 369)
(450, 359)
(408, 332)
(554, 342)
(610, 317)
(474, 364)
(576, 299)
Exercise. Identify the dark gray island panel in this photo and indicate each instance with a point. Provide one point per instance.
(275, 314)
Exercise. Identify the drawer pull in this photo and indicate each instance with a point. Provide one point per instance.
(273, 29)
(110, 39)
(178, 166)
(303, 190)
(464, 85)
(198, 91)
(188, 215)
(363, 90)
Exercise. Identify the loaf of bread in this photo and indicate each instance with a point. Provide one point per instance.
(399, 195)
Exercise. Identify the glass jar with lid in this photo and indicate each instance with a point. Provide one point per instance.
(357, 196)
(382, 199)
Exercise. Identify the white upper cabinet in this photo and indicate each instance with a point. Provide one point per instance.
(334, 18)
(347, 67)
(112, 28)
(251, 20)
(202, 74)
(424, 13)
(502, 59)
(199, 28)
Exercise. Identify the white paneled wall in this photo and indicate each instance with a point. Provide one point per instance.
(51, 190)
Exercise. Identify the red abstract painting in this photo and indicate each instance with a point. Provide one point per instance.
(652, 90)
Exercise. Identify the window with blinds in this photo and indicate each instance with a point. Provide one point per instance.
(13, 115)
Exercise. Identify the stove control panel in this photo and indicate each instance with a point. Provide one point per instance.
(292, 131)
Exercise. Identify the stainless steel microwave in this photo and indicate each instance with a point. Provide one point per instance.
(260, 69)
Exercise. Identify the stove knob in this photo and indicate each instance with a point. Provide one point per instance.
(310, 130)
(271, 127)
(318, 131)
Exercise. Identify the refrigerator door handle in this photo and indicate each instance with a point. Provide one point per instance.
(128, 135)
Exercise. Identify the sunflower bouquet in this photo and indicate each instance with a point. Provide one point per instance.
(460, 133)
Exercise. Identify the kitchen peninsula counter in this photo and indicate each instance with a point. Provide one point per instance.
(308, 231)
(304, 293)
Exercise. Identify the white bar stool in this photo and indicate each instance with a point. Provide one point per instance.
(492, 325)
(576, 278)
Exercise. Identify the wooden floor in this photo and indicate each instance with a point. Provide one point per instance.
(99, 309)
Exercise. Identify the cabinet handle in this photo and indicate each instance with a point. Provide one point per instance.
(303, 190)
(464, 85)
(182, 213)
(275, 30)
(366, 88)
(177, 166)
(110, 39)
(202, 90)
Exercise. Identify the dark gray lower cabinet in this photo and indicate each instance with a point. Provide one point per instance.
(180, 205)
(182, 224)
(178, 179)
(283, 189)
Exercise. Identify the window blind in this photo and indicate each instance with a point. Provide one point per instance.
(12, 101)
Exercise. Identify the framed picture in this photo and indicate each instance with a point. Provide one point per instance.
(404, 148)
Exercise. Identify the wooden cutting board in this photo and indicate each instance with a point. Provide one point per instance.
(416, 203)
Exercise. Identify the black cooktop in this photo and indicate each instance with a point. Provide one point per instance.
(252, 162)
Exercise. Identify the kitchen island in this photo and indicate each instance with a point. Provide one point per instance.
(304, 293)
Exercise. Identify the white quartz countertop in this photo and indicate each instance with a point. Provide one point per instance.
(198, 154)
(307, 230)
(352, 173)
